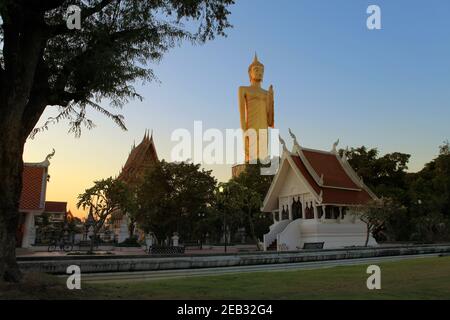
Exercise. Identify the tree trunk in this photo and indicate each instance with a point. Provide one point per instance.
(252, 228)
(11, 167)
(131, 228)
(367, 235)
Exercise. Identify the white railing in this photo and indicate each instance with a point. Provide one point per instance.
(289, 238)
(274, 230)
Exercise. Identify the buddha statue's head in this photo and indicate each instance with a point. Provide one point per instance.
(256, 71)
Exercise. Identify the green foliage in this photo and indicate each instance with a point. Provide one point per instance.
(430, 228)
(385, 175)
(242, 200)
(118, 41)
(430, 187)
(174, 197)
(377, 215)
(423, 197)
(105, 197)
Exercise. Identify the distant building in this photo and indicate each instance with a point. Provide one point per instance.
(50, 224)
(56, 210)
(311, 198)
(32, 203)
(141, 158)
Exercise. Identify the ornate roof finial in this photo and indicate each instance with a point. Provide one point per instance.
(335, 146)
(321, 197)
(293, 137)
(50, 155)
(283, 143)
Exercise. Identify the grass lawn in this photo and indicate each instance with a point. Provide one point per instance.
(427, 278)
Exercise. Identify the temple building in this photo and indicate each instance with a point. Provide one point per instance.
(312, 197)
(141, 158)
(33, 202)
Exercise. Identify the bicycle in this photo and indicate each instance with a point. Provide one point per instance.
(63, 245)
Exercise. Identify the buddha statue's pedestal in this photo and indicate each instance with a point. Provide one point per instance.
(238, 169)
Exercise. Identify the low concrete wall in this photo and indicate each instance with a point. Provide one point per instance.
(148, 263)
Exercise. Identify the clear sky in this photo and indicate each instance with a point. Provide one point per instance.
(333, 78)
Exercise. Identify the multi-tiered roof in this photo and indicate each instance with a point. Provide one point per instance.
(140, 160)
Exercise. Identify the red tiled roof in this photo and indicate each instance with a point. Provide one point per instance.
(301, 166)
(341, 196)
(335, 179)
(55, 207)
(32, 188)
(328, 165)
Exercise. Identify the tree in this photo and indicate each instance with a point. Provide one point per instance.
(105, 197)
(385, 175)
(44, 63)
(429, 189)
(241, 202)
(256, 187)
(375, 214)
(171, 197)
(132, 210)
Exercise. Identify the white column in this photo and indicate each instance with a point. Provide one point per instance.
(340, 214)
(303, 207)
(324, 207)
(290, 208)
(280, 215)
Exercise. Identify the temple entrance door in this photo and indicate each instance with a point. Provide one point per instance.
(296, 209)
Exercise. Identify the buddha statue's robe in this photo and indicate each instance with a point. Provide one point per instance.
(257, 105)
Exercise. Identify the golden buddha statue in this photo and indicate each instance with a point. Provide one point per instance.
(256, 107)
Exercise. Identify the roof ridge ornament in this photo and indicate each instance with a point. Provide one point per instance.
(296, 144)
(283, 143)
(320, 200)
(50, 155)
(335, 146)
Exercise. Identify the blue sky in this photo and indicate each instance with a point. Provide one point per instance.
(333, 78)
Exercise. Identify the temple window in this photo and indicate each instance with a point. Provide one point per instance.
(319, 212)
(344, 212)
(336, 212)
(285, 213)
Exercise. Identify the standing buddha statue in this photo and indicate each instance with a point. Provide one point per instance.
(256, 107)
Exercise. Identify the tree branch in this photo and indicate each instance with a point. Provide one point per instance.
(60, 29)
(48, 5)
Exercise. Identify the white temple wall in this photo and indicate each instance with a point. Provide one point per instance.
(334, 234)
(29, 235)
